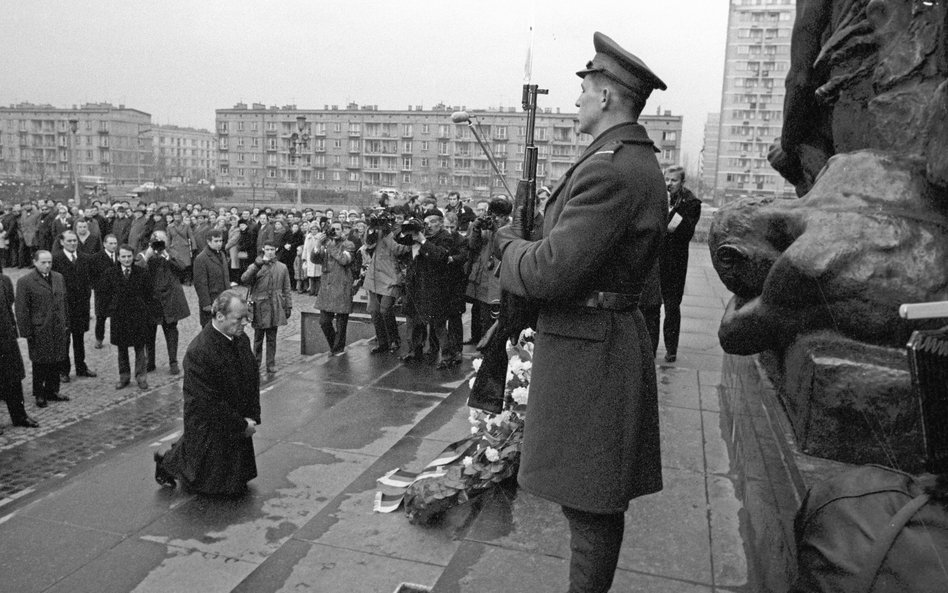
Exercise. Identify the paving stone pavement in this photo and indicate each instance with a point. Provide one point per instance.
(73, 432)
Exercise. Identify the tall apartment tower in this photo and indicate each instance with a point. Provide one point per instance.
(708, 163)
(756, 63)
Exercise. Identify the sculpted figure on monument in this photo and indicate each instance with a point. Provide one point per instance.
(863, 74)
(869, 236)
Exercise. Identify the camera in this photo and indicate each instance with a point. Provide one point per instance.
(157, 246)
(380, 218)
(484, 223)
(406, 235)
(331, 233)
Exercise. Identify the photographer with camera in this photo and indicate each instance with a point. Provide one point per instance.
(169, 304)
(427, 283)
(483, 286)
(335, 254)
(270, 288)
(382, 278)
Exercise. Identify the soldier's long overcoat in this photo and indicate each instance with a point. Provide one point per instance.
(591, 439)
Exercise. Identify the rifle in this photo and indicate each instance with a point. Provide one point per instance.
(516, 313)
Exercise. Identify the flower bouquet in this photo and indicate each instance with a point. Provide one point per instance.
(473, 465)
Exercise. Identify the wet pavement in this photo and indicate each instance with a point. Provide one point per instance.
(82, 512)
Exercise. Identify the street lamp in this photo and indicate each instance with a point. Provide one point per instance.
(299, 141)
(74, 127)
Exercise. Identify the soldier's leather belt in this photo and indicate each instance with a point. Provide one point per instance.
(613, 301)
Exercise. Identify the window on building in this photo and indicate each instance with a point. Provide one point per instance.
(355, 128)
(271, 173)
(240, 126)
(337, 176)
(353, 175)
(224, 169)
(353, 160)
(443, 148)
(320, 175)
(406, 146)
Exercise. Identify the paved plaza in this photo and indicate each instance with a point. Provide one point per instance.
(80, 511)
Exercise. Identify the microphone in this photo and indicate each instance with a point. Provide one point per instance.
(460, 117)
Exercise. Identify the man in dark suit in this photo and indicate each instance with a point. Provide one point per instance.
(130, 308)
(12, 371)
(169, 305)
(74, 266)
(43, 320)
(221, 407)
(102, 262)
(211, 273)
(683, 214)
(591, 440)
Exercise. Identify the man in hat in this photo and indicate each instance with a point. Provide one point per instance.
(601, 236)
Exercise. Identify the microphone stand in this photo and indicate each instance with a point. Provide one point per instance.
(490, 156)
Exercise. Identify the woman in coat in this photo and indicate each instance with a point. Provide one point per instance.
(269, 284)
(179, 244)
(232, 247)
(312, 270)
(334, 300)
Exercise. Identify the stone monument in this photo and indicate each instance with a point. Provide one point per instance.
(818, 280)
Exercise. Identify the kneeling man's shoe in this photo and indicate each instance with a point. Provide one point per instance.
(26, 422)
(164, 479)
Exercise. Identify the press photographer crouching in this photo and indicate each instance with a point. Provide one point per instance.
(483, 286)
(382, 278)
(335, 254)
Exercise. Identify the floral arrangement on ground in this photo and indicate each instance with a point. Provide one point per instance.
(473, 465)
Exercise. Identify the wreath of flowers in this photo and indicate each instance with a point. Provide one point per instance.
(475, 464)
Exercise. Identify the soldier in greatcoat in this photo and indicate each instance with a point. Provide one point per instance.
(591, 440)
(43, 319)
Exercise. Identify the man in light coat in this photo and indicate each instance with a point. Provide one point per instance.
(269, 282)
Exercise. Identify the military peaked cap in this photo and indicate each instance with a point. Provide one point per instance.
(622, 67)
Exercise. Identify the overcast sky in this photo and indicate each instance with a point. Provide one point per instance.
(179, 60)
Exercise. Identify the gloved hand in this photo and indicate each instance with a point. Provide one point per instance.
(503, 237)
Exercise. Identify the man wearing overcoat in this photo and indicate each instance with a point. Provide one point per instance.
(42, 317)
(131, 309)
(102, 262)
(12, 371)
(591, 440)
(221, 407)
(211, 273)
(75, 268)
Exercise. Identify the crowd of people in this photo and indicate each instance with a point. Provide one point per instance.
(406, 251)
(136, 260)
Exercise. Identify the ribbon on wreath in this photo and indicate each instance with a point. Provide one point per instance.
(400, 480)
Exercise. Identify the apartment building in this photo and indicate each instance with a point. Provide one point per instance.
(363, 148)
(101, 143)
(182, 154)
(756, 63)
